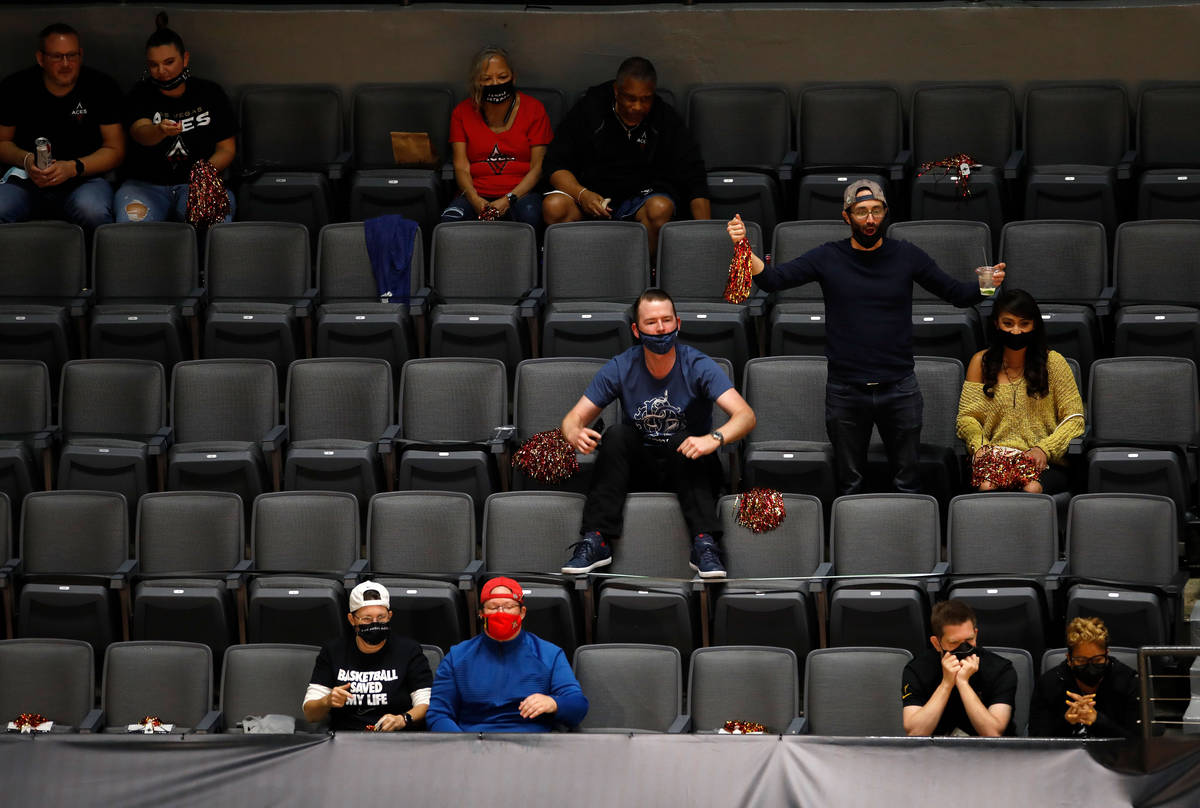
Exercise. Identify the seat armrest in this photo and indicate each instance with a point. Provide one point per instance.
(212, 721)
(470, 575)
(681, 725)
(234, 578)
(1014, 165)
(583, 583)
(274, 439)
(303, 306)
(900, 166)
(337, 169)
(11, 569)
(354, 573)
(387, 441)
(787, 168)
(160, 441)
(822, 572)
(1125, 167)
(194, 303)
(532, 302)
(124, 572)
(501, 435)
(92, 722)
(796, 726)
(1104, 304)
(934, 582)
(756, 304)
(1058, 569)
(1175, 586)
(1075, 447)
(448, 172)
(420, 301)
(45, 438)
(82, 302)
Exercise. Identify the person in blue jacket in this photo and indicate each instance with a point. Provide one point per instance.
(505, 679)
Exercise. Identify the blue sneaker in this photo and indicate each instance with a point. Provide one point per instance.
(589, 552)
(706, 559)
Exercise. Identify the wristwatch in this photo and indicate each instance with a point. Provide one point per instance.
(716, 434)
(79, 168)
(511, 197)
(408, 719)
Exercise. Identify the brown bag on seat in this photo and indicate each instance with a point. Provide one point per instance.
(413, 149)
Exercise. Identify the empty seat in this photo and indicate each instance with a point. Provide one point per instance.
(1022, 663)
(171, 681)
(744, 683)
(593, 271)
(353, 320)
(796, 322)
(1154, 270)
(258, 279)
(53, 678)
(854, 691)
(25, 440)
(43, 292)
(146, 281)
(304, 545)
(266, 679)
(1168, 131)
(630, 687)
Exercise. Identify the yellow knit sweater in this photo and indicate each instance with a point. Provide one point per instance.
(1012, 418)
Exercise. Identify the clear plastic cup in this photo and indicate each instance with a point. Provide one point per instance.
(987, 285)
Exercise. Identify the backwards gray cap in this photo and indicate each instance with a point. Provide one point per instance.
(851, 197)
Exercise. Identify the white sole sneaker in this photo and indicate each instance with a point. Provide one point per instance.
(706, 575)
(604, 562)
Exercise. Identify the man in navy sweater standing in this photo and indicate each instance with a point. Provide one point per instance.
(867, 283)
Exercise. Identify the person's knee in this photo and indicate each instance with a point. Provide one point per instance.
(658, 210)
(624, 433)
(1033, 487)
(559, 208)
(987, 486)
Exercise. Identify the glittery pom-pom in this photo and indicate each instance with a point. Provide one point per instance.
(489, 214)
(1003, 467)
(547, 457)
(761, 509)
(207, 201)
(738, 288)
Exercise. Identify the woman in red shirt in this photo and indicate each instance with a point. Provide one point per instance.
(499, 137)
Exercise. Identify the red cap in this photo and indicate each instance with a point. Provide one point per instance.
(485, 594)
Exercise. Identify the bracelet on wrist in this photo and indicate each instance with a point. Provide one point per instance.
(579, 196)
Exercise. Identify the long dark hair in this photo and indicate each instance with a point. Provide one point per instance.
(163, 35)
(1020, 303)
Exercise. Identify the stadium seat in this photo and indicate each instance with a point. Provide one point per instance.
(53, 678)
(26, 460)
(1167, 152)
(630, 687)
(1022, 663)
(746, 683)
(796, 321)
(266, 679)
(854, 691)
(1155, 274)
(171, 681)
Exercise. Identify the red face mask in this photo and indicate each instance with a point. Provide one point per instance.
(502, 626)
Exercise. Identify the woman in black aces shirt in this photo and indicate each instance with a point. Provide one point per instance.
(174, 121)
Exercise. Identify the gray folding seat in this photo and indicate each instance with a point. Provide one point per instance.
(169, 680)
(1053, 657)
(553, 99)
(1124, 566)
(421, 546)
(1155, 272)
(26, 440)
(847, 131)
(1143, 424)
(1003, 555)
(433, 655)
(788, 449)
(1076, 142)
(113, 415)
(266, 679)
(257, 276)
(658, 605)
(939, 328)
(1064, 265)
(744, 132)
(1022, 663)
(854, 691)
(353, 320)
(339, 419)
(379, 185)
(292, 146)
(744, 683)
(631, 687)
(53, 678)
(771, 611)
(544, 391)
(450, 412)
(225, 413)
(146, 282)
(796, 321)
(8, 567)
(74, 567)
(484, 297)
(304, 545)
(525, 536)
(693, 267)
(883, 535)
(592, 272)
(1168, 131)
(190, 552)
(43, 292)
(979, 120)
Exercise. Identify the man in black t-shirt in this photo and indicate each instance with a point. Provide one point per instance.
(79, 111)
(958, 688)
(376, 681)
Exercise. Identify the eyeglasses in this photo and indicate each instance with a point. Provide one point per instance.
(59, 58)
(366, 621)
(1082, 662)
(862, 214)
(504, 606)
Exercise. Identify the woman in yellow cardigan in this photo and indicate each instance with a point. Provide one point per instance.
(1020, 406)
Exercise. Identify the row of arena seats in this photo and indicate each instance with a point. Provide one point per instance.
(191, 575)
(630, 687)
(350, 424)
(485, 294)
(1074, 151)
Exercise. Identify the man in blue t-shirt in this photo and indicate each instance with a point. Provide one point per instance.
(665, 441)
(867, 285)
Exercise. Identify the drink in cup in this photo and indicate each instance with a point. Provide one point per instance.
(42, 153)
(987, 286)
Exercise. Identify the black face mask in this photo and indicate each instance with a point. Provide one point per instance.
(498, 93)
(374, 633)
(1015, 341)
(964, 650)
(1090, 674)
(170, 84)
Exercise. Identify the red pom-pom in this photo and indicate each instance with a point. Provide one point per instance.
(489, 214)
(27, 722)
(1003, 467)
(207, 201)
(738, 288)
(761, 509)
(547, 457)
(744, 728)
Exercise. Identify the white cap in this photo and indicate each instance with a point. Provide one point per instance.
(369, 593)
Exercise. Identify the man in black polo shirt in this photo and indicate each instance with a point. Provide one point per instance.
(867, 283)
(958, 688)
(78, 110)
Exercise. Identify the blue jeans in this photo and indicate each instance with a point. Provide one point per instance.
(163, 203)
(89, 204)
(528, 209)
(897, 408)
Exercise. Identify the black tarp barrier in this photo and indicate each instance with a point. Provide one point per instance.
(591, 770)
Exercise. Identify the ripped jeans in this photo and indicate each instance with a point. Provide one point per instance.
(137, 201)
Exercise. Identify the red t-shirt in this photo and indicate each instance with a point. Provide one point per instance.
(500, 159)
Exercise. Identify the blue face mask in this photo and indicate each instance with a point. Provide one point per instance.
(659, 343)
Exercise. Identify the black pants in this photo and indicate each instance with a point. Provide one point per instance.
(624, 463)
(896, 408)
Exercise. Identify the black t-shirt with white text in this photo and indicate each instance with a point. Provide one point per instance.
(71, 122)
(380, 683)
(204, 113)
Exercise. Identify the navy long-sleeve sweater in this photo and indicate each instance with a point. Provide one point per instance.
(868, 303)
